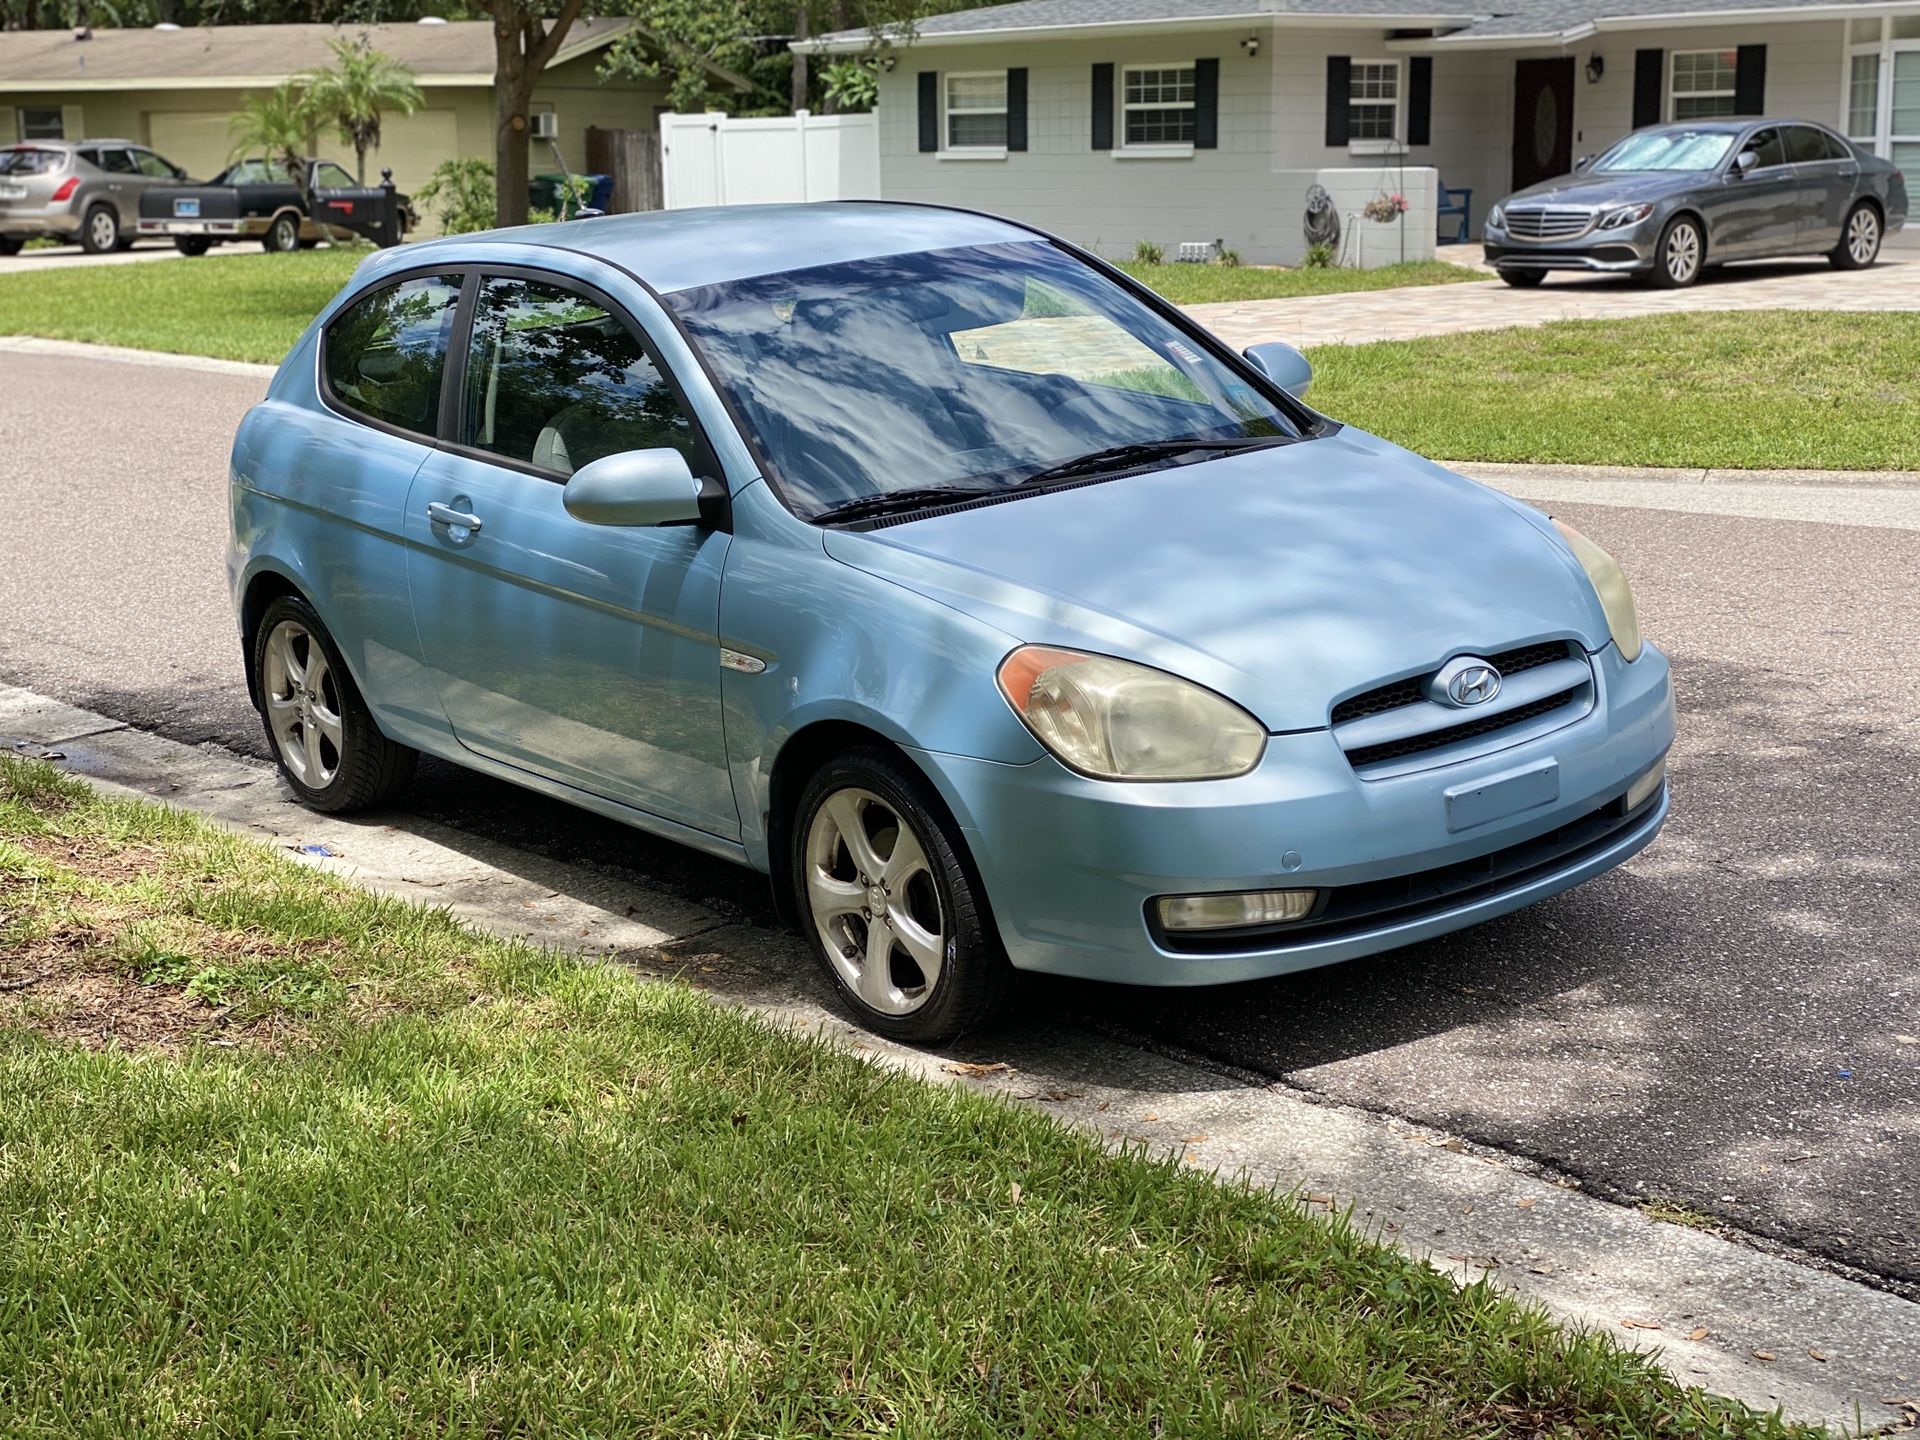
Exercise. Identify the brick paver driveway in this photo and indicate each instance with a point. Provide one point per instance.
(1893, 284)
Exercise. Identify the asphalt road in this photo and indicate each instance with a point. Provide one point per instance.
(1725, 1025)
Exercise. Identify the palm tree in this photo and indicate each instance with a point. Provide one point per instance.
(276, 125)
(352, 92)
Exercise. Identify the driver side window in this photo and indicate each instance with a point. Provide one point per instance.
(1768, 145)
(555, 380)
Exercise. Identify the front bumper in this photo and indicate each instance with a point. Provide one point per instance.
(1072, 865)
(1618, 251)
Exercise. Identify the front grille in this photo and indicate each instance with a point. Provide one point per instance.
(1552, 222)
(1434, 739)
(1400, 899)
(1414, 689)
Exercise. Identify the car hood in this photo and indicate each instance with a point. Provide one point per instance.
(1624, 189)
(1285, 579)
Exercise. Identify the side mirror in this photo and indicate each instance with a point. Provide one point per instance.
(1283, 365)
(1580, 165)
(1745, 161)
(638, 487)
(178, 173)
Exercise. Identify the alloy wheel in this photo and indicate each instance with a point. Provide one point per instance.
(1683, 253)
(1863, 236)
(874, 901)
(103, 230)
(303, 705)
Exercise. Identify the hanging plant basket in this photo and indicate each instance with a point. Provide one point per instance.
(1385, 209)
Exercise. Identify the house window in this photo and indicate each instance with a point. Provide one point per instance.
(1703, 83)
(1156, 105)
(1863, 96)
(1373, 103)
(977, 111)
(37, 123)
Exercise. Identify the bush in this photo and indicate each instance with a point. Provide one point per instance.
(1228, 258)
(1148, 252)
(461, 195)
(1320, 257)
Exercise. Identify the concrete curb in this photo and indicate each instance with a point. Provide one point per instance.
(74, 349)
(1506, 475)
(1466, 1211)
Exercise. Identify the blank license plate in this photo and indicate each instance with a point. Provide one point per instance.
(13, 192)
(186, 209)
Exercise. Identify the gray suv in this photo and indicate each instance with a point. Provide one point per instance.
(85, 190)
(1670, 200)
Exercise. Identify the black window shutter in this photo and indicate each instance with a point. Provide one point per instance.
(1103, 107)
(1206, 104)
(1420, 100)
(929, 110)
(1750, 80)
(1339, 98)
(1649, 81)
(1017, 109)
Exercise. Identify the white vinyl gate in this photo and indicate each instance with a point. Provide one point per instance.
(716, 159)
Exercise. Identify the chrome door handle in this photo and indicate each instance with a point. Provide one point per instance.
(440, 514)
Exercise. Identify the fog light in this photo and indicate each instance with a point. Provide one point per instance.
(1228, 912)
(1647, 786)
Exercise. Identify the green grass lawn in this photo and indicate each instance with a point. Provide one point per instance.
(1202, 284)
(1754, 390)
(279, 1157)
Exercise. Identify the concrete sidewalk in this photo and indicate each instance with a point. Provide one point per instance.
(1724, 1315)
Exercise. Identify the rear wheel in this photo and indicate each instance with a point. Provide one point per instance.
(100, 230)
(1680, 255)
(9, 245)
(282, 235)
(1860, 237)
(320, 730)
(1523, 279)
(191, 244)
(891, 909)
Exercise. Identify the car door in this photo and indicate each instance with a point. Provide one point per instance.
(1827, 172)
(121, 182)
(1761, 212)
(588, 654)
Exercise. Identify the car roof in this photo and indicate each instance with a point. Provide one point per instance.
(684, 249)
(1736, 125)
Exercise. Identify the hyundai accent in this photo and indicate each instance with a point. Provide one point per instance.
(1002, 615)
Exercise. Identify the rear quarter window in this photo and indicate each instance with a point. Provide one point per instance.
(383, 357)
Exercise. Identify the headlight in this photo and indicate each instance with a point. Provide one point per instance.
(1497, 218)
(1119, 721)
(1625, 215)
(1610, 584)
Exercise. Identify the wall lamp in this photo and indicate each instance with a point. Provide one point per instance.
(1596, 67)
(1251, 45)
(888, 63)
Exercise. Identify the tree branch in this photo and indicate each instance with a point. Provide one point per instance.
(549, 44)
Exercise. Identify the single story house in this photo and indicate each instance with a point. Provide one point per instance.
(176, 89)
(1114, 121)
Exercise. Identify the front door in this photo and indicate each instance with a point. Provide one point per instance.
(586, 653)
(1542, 120)
(1758, 211)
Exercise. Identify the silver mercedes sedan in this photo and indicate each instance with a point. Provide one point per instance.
(1670, 200)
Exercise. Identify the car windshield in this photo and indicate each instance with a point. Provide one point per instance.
(23, 161)
(1666, 150)
(961, 371)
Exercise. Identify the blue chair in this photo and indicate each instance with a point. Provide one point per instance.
(1456, 202)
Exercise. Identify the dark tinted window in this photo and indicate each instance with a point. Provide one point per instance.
(554, 380)
(1768, 145)
(90, 155)
(385, 355)
(151, 164)
(116, 162)
(329, 176)
(24, 161)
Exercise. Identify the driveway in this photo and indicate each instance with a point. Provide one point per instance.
(1727, 1025)
(1893, 284)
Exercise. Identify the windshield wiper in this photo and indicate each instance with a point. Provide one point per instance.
(1122, 457)
(892, 501)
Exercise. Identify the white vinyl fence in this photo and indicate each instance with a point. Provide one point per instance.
(715, 159)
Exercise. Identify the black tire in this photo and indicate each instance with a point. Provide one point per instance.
(1523, 279)
(369, 768)
(1668, 273)
(100, 230)
(1843, 256)
(10, 246)
(282, 235)
(192, 244)
(975, 977)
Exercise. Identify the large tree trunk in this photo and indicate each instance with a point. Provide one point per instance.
(521, 50)
(800, 75)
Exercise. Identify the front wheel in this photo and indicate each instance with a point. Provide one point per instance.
(1859, 243)
(1523, 279)
(1682, 249)
(282, 235)
(891, 909)
(320, 730)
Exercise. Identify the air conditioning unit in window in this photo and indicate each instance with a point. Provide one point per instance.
(545, 125)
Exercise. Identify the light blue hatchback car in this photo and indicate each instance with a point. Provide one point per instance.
(1001, 614)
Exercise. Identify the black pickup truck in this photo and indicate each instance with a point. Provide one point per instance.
(257, 200)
